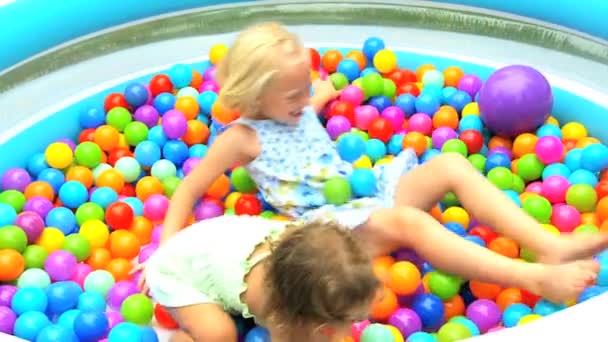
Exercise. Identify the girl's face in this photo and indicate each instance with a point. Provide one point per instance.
(289, 92)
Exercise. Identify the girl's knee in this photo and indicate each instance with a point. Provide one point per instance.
(205, 323)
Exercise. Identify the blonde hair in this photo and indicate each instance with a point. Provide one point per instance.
(251, 63)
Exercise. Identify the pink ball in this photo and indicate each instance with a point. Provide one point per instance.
(322, 74)
(337, 126)
(535, 187)
(81, 273)
(156, 233)
(31, 223)
(209, 86)
(549, 149)
(357, 329)
(421, 123)
(209, 74)
(565, 218)
(155, 207)
(352, 94)
(365, 115)
(189, 164)
(395, 116)
(146, 252)
(555, 188)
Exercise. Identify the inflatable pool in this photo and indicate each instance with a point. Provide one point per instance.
(60, 60)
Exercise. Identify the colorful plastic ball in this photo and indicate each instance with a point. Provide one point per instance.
(90, 326)
(470, 122)
(443, 285)
(61, 218)
(7, 320)
(350, 147)
(484, 313)
(371, 46)
(136, 94)
(99, 281)
(376, 332)
(339, 80)
(406, 321)
(125, 331)
(119, 292)
(470, 84)
(58, 155)
(385, 61)
(348, 68)
(91, 301)
(353, 95)
(594, 157)
(591, 292)
(441, 135)
(29, 299)
(148, 334)
(545, 308)
(455, 146)
(421, 122)
(458, 100)
(582, 196)
(573, 159)
(529, 167)
(155, 207)
(363, 182)
(34, 256)
(427, 103)
(565, 217)
(549, 149)
(91, 117)
(337, 125)
(148, 115)
(103, 196)
(574, 131)
(137, 309)
(433, 78)
(55, 333)
(119, 215)
(73, 194)
(582, 176)
(60, 265)
(557, 169)
(29, 324)
(429, 308)
(119, 117)
(473, 139)
(539, 208)
(455, 228)
(513, 314)
(554, 188)
(15, 179)
(6, 294)
(13, 237)
(421, 337)
(258, 334)
(33, 277)
(180, 75)
(453, 331)
(207, 210)
(549, 130)
(407, 103)
(62, 296)
(248, 204)
(375, 149)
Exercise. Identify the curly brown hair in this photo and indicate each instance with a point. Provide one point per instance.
(318, 273)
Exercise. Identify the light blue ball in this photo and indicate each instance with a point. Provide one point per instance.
(350, 147)
(164, 102)
(7, 214)
(371, 46)
(476, 239)
(198, 151)
(547, 130)
(90, 301)
(602, 276)
(456, 228)
(595, 157)
(36, 163)
(136, 204)
(206, 100)
(545, 308)
(447, 93)
(427, 103)
(29, 299)
(591, 292)
(513, 313)
(258, 334)
(377, 332)
(556, 169)
(421, 336)
(470, 122)
(180, 75)
(104, 196)
(375, 149)
(573, 159)
(148, 334)
(471, 326)
(29, 324)
(187, 91)
(73, 194)
(34, 277)
(63, 219)
(407, 103)
(369, 70)
(54, 177)
(434, 90)
(147, 152)
(62, 296)
(67, 318)
(433, 78)
(363, 182)
(395, 144)
(157, 135)
(56, 333)
(429, 154)
(348, 68)
(459, 99)
(582, 176)
(514, 196)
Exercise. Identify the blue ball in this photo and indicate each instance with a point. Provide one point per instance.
(258, 334)
(204, 119)
(73, 194)
(91, 326)
(459, 99)
(197, 151)
(547, 130)
(147, 153)
(395, 144)
(545, 308)
(497, 160)
(180, 75)
(369, 70)
(7, 215)
(56, 333)
(514, 196)
(363, 182)
(475, 239)
(591, 292)
(63, 219)
(54, 177)
(602, 276)
(456, 228)
(380, 102)
(62, 296)
(349, 68)
(91, 301)
(426, 268)
(447, 92)
(375, 149)
(371, 46)
(206, 100)
(594, 157)
(513, 313)
(148, 335)
(429, 154)
(91, 117)
(421, 336)
(582, 176)
(67, 318)
(350, 147)
(157, 136)
(427, 103)
(467, 323)
(125, 331)
(136, 95)
(573, 159)
(104, 196)
(29, 299)
(429, 308)
(407, 103)
(470, 122)
(164, 102)
(136, 204)
(36, 163)
(557, 169)
(176, 151)
(433, 90)
(29, 324)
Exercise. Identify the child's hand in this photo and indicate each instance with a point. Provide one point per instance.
(141, 282)
(325, 89)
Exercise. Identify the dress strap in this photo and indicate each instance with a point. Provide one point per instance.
(259, 257)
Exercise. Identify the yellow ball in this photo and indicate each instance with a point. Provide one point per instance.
(571, 302)
(396, 333)
(96, 232)
(550, 228)
(470, 109)
(385, 61)
(456, 215)
(419, 85)
(281, 218)
(122, 141)
(552, 121)
(217, 53)
(529, 318)
(313, 75)
(231, 200)
(385, 160)
(585, 141)
(363, 163)
(573, 131)
(51, 239)
(58, 155)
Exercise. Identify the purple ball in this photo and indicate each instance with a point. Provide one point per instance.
(156, 233)
(337, 125)
(174, 124)
(146, 252)
(148, 115)
(60, 265)
(6, 294)
(406, 321)
(207, 210)
(514, 100)
(16, 179)
(470, 84)
(119, 292)
(189, 164)
(406, 254)
(484, 313)
(406, 301)
(7, 320)
(209, 74)
(31, 223)
(209, 86)
(501, 149)
(68, 142)
(441, 135)
(39, 205)
(114, 318)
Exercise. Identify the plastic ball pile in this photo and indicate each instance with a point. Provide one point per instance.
(73, 220)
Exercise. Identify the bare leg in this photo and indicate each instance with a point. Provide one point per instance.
(389, 229)
(451, 172)
(203, 322)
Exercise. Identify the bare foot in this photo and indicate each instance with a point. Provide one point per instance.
(560, 283)
(575, 246)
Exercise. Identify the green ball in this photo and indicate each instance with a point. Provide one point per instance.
(163, 169)
(518, 184)
(339, 80)
(538, 207)
(450, 200)
(501, 177)
(242, 181)
(377, 332)
(361, 134)
(443, 285)
(582, 196)
(119, 118)
(389, 89)
(455, 145)
(137, 309)
(99, 281)
(229, 211)
(34, 277)
(373, 84)
(13, 237)
(129, 168)
(527, 254)
(170, 184)
(35, 256)
(136, 132)
(267, 214)
(89, 211)
(13, 198)
(529, 167)
(78, 245)
(452, 331)
(586, 228)
(88, 154)
(337, 191)
(478, 161)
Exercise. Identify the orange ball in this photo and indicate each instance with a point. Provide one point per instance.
(358, 57)
(188, 106)
(148, 186)
(425, 282)
(142, 227)
(584, 142)
(452, 76)
(197, 79)
(12, 264)
(81, 174)
(330, 60)
(497, 141)
(436, 213)
(569, 145)
(507, 297)
(590, 218)
(385, 306)
(422, 70)
(446, 116)
(382, 267)
(416, 141)
(112, 179)
(604, 175)
(483, 290)
(99, 258)
(41, 189)
(602, 209)
(604, 227)
(223, 114)
(196, 133)
(119, 268)
(453, 307)
(524, 144)
(514, 165)
(403, 278)
(107, 137)
(123, 244)
(220, 187)
(504, 246)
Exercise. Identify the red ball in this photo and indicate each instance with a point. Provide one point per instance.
(473, 139)
(118, 153)
(248, 204)
(160, 84)
(344, 109)
(529, 298)
(401, 76)
(86, 135)
(408, 88)
(485, 233)
(381, 129)
(315, 58)
(128, 190)
(164, 319)
(115, 100)
(119, 215)
(601, 189)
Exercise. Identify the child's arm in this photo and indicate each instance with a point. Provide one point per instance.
(324, 91)
(237, 144)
